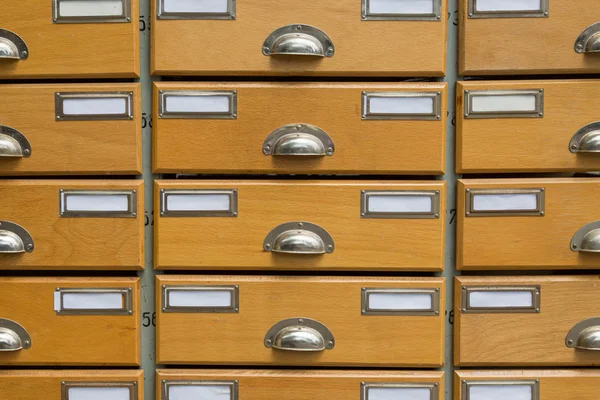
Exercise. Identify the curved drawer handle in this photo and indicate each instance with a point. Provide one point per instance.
(13, 143)
(299, 334)
(585, 335)
(589, 40)
(298, 40)
(13, 336)
(12, 47)
(587, 239)
(299, 140)
(586, 140)
(14, 239)
(299, 238)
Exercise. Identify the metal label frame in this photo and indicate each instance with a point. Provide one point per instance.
(535, 308)
(471, 94)
(433, 311)
(88, 19)
(435, 16)
(126, 293)
(132, 204)
(60, 97)
(132, 386)
(233, 290)
(230, 14)
(230, 94)
(435, 115)
(365, 386)
(233, 203)
(535, 387)
(433, 214)
(233, 385)
(542, 12)
(540, 210)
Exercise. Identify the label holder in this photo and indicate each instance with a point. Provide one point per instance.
(436, 15)
(132, 386)
(59, 100)
(366, 195)
(535, 308)
(435, 114)
(125, 16)
(163, 113)
(230, 14)
(539, 211)
(126, 293)
(131, 211)
(231, 212)
(470, 95)
(366, 309)
(234, 292)
(365, 386)
(535, 387)
(542, 12)
(233, 386)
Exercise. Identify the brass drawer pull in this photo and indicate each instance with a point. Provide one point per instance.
(13, 336)
(298, 40)
(12, 47)
(14, 239)
(585, 335)
(300, 334)
(13, 144)
(299, 238)
(299, 140)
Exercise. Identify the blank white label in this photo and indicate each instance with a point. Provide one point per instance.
(401, 6)
(500, 392)
(400, 204)
(95, 106)
(508, 5)
(197, 104)
(504, 103)
(200, 392)
(198, 202)
(200, 298)
(90, 8)
(95, 203)
(99, 393)
(501, 299)
(196, 6)
(88, 301)
(400, 301)
(401, 105)
(505, 202)
(399, 394)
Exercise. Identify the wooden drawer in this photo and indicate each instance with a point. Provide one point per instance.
(527, 384)
(535, 126)
(67, 39)
(520, 224)
(292, 128)
(300, 321)
(67, 385)
(186, 384)
(515, 41)
(527, 321)
(70, 321)
(71, 224)
(70, 129)
(263, 37)
(306, 225)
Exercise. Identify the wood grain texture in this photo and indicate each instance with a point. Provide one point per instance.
(37, 384)
(513, 46)
(70, 147)
(527, 339)
(362, 48)
(360, 243)
(75, 340)
(71, 243)
(361, 147)
(528, 144)
(529, 242)
(575, 384)
(91, 50)
(300, 384)
(237, 338)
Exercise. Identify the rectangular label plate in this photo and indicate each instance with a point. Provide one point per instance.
(397, 10)
(196, 9)
(505, 202)
(513, 390)
(400, 204)
(199, 104)
(381, 301)
(527, 103)
(91, 11)
(509, 8)
(99, 390)
(198, 203)
(400, 391)
(402, 105)
(93, 301)
(201, 299)
(196, 390)
(100, 106)
(98, 203)
(501, 299)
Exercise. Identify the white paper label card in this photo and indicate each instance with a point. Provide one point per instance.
(98, 203)
(200, 390)
(198, 104)
(99, 390)
(508, 8)
(505, 202)
(500, 390)
(399, 391)
(98, 106)
(201, 299)
(93, 301)
(501, 299)
(527, 103)
(408, 204)
(91, 11)
(196, 9)
(199, 203)
(387, 301)
(402, 106)
(424, 10)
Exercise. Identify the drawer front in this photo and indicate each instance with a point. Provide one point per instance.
(492, 35)
(300, 128)
(67, 39)
(72, 385)
(70, 224)
(527, 384)
(306, 225)
(68, 129)
(309, 321)
(298, 385)
(73, 321)
(263, 37)
(528, 224)
(535, 126)
(527, 321)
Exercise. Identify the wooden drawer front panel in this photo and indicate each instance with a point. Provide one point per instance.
(314, 40)
(53, 43)
(529, 384)
(537, 126)
(63, 141)
(71, 224)
(70, 321)
(67, 384)
(254, 321)
(343, 135)
(527, 321)
(552, 52)
(298, 385)
(253, 224)
(528, 224)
